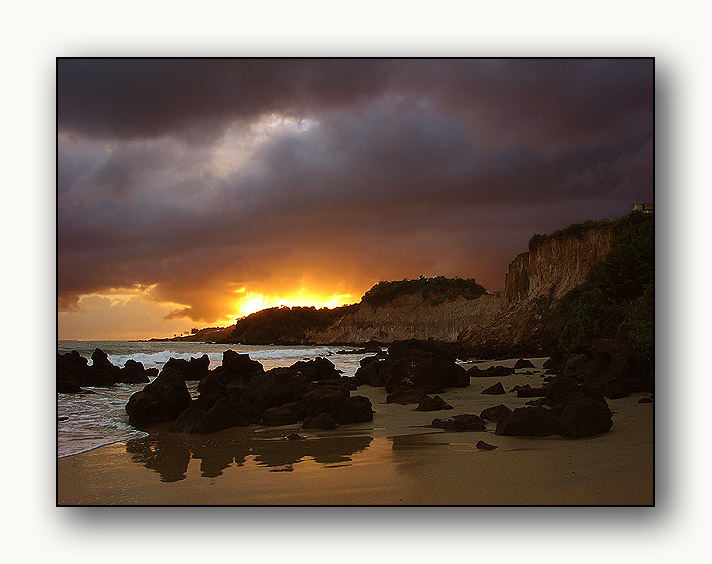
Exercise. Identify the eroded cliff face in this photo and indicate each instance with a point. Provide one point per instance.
(536, 281)
(500, 324)
(411, 317)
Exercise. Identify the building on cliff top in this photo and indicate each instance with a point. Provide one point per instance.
(646, 207)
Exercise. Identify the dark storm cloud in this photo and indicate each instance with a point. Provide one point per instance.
(400, 168)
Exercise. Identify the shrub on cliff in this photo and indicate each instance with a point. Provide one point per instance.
(619, 289)
(436, 290)
(284, 325)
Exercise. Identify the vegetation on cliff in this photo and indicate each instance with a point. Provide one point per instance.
(618, 289)
(573, 229)
(435, 290)
(284, 325)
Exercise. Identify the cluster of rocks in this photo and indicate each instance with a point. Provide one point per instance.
(411, 370)
(240, 392)
(74, 372)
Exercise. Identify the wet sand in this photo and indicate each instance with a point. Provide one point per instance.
(396, 459)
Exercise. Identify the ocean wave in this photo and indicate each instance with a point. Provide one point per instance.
(157, 359)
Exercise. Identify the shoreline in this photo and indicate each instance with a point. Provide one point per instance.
(396, 459)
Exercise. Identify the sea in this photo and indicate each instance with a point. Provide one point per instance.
(88, 421)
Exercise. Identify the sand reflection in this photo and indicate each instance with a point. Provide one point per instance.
(170, 454)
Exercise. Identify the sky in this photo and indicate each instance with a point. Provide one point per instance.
(192, 192)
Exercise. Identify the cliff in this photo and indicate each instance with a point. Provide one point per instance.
(536, 282)
(410, 317)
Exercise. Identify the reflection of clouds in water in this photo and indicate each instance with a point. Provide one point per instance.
(169, 454)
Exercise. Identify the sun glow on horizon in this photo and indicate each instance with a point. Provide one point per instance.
(253, 302)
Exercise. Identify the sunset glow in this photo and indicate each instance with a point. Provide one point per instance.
(191, 192)
(253, 301)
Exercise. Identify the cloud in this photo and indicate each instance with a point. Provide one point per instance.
(329, 175)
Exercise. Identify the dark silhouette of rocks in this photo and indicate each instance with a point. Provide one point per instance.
(464, 422)
(495, 390)
(435, 403)
(75, 373)
(495, 413)
(317, 369)
(162, 400)
(193, 369)
(490, 372)
(529, 422)
(481, 445)
(412, 369)
(645, 400)
(522, 363)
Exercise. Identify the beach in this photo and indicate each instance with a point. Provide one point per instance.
(396, 459)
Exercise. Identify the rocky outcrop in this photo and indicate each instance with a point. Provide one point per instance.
(162, 400)
(535, 282)
(74, 372)
(239, 392)
(410, 317)
(412, 369)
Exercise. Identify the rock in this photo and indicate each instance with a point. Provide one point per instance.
(322, 421)
(527, 391)
(495, 390)
(537, 401)
(464, 422)
(435, 403)
(151, 372)
(529, 422)
(495, 413)
(405, 395)
(132, 373)
(370, 373)
(270, 389)
(317, 369)
(287, 414)
(481, 445)
(574, 366)
(614, 389)
(294, 437)
(162, 400)
(235, 366)
(564, 390)
(522, 363)
(555, 362)
(584, 417)
(421, 365)
(645, 400)
(193, 369)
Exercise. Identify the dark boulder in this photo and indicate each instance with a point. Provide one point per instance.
(495, 390)
(562, 391)
(405, 395)
(435, 403)
(317, 369)
(287, 414)
(555, 363)
(574, 367)
(162, 400)
(343, 408)
(72, 372)
(481, 445)
(193, 369)
(132, 373)
(614, 389)
(527, 391)
(270, 389)
(529, 422)
(645, 400)
(464, 422)
(495, 413)
(369, 373)
(584, 417)
(523, 363)
(322, 421)
(236, 366)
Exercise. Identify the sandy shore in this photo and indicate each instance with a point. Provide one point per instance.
(395, 459)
